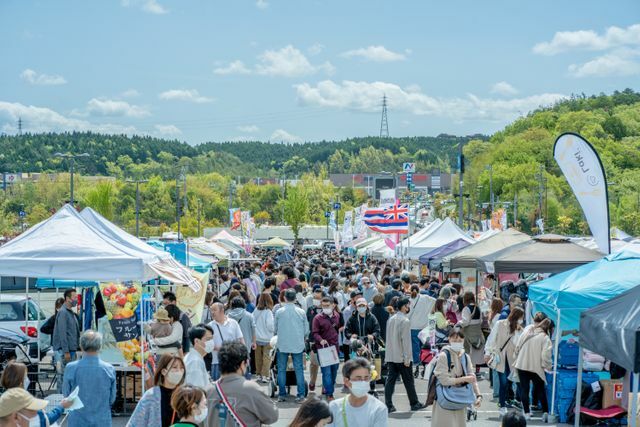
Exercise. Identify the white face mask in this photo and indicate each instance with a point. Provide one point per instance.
(457, 346)
(204, 411)
(362, 310)
(26, 382)
(327, 311)
(520, 322)
(359, 388)
(209, 345)
(174, 377)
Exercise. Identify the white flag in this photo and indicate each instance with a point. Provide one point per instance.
(347, 228)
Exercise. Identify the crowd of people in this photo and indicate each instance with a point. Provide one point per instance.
(264, 322)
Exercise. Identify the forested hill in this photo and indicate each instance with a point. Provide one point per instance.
(35, 153)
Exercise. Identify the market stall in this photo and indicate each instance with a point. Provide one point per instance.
(431, 258)
(439, 235)
(275, 243)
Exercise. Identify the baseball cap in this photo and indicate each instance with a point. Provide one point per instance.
(355, 294)
(17, 399)
(317, 288)
(361, 301)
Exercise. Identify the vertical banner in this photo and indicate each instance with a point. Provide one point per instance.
(585, 174)
(387, 197)
(499, 219)
(191, 302)
(332, 221)
(235, 216)
(360, 229)
(347, 228)
(245, 219)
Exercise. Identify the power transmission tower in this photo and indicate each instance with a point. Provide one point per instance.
(20, 126)
(384, 124)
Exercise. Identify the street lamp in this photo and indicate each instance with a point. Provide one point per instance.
(137, 182)
(490, 169)
(71, 158)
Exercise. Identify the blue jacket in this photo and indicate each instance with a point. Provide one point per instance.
(292, 328)
(147, 412)
(97, 382)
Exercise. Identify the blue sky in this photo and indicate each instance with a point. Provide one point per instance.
(289, 71)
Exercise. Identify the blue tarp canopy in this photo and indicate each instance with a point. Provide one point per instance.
(443, 251)
(62, 284)
(581, 288)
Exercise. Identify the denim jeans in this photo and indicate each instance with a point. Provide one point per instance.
(416, 344)
(496, 383)
(329, 375)
(58, 359)
(215, 371)
(503, 378)
(282, 359)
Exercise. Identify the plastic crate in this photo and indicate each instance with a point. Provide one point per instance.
(562, 409)
(568, 353)
(566, 381)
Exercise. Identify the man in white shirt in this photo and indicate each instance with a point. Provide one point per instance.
(359, 408)
(421, 307)
(224, 330)
(201, 338)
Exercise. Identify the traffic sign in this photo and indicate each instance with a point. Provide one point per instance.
(337, 205)
(22, 214)
(327, 214)
(408, 167)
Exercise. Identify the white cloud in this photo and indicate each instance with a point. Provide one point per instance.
(167, 130)
(130, 93)
(366, 97)
(235, 67)
(375, 53)
(149, 6)
(620, 62)
(34, 78)
(111, 107)
(262, 4)
(248, 129)
(285, 62)
(189, 95)
(315, 49)
(242, 138)
(281, 135)
(503, 88)
(41, 119)
(613, 37)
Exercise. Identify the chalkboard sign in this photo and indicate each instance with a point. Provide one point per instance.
(125, 329)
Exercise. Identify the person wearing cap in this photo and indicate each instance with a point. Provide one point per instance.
(19, 408)
(96, 381)
(399, 356)
(326, 332)
(362, 324)
(314, 308)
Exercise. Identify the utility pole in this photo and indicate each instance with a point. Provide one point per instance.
(491, 197)
(137, 182)
(515, 210)
(384, 124)
(469, 210)
(541, 190)
(461, 187)
(71, 158)
(232, 188)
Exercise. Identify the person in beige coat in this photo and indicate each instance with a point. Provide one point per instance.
(501, 343)
(455, 375)
(533, 357)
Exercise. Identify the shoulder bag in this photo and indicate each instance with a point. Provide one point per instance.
(455, 397)
(228, 408)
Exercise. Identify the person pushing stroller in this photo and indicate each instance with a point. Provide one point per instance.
(363, 330)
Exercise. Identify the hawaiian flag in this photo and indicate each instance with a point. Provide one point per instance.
(390, 220)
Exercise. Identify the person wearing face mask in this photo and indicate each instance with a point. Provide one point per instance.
(15, 375)
(399, 356)
(263, 318)
(154, 408)
(190, 406)
(325, 331)
(501, 343)
(314, 308)
(449, 371)
(96, 381)
(368, 289)
(66, 333)
(18, 408)
(237, 400)
(358, 408)
(201, 338)
(362, 324)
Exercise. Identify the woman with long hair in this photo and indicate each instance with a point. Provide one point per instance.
(264, 320)
(494, 312)
(312, 413)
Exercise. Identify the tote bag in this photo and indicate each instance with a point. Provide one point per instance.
(328, 356)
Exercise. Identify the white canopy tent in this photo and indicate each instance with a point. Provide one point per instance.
(66, 246)
(225, 235)
(209, 248)
(439, 235)
(418, 236)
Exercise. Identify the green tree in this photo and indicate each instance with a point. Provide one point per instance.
(296, 209)
(100, 198)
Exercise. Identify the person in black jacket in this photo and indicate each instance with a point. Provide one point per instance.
(362, 324)
(394, 292)
(48, 326)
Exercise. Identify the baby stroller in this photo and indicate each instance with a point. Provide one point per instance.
(290, 377)
(426, 356)
(360, 347)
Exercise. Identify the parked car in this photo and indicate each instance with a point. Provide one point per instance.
(23, 315)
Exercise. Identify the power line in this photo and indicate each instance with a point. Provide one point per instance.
(384, 124)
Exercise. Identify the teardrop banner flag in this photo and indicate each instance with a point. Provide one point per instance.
(584, 172)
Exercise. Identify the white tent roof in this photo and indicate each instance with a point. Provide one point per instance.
(380, 250)
(421, 234)
(445, 232)
(65, 246)
(225, 235)
(209, 248)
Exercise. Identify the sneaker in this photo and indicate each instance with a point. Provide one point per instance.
(418, 407)
(528, 415)
(300, 399)
(503, 411)
(312, 387)
(391, 410)
(282, 399)
(330, 398)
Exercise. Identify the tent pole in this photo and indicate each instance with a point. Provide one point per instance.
(578, 388)
(634, 402)
(26, 308)
(143, 362)
(555, 362)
